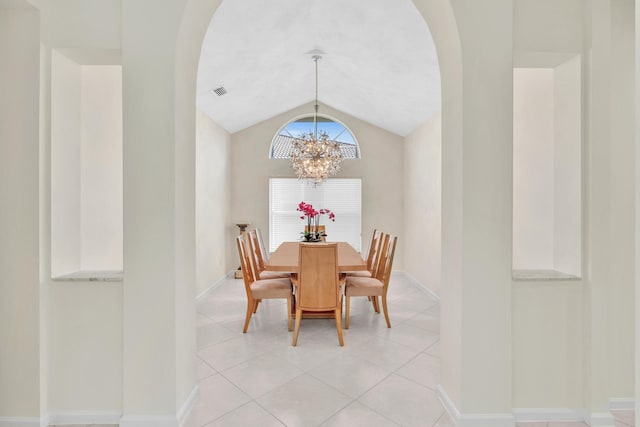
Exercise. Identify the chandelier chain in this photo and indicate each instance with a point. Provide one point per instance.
(314, 156)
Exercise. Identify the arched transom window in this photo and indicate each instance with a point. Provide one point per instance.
(281, 143)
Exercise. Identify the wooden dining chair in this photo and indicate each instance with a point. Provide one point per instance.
(259, 289)
(258, 261)
(263, 248)
(373, 256)
(373, 286)
(318, 287)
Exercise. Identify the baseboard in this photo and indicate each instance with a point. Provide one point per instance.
(549, 415)
(187, 406)
(473, 420)
(418, 283)
(24, 422)
(148, 421)
(85, 417)
(600, 419)
(215, 285)
(622, 404)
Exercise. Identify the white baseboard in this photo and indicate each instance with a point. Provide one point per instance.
(600, 419)
(215, 285)
(549, 415)
(85, 417)
(148, 421)
(622, 404)
(418, 283)
(187, 406)
(24, 422)
(473, 420)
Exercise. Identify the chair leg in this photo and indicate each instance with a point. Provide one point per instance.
(289, 319)
(297, 329)
(386, 311)
(255, 306)
(346, 312)
(250, 307)
(374, 302)
(338, 316)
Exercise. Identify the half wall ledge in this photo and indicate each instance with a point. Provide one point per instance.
(542, 275)
(91, 276)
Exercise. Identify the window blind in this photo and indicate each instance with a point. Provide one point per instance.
(341, 196)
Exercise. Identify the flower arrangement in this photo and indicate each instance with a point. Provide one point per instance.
(312, 217)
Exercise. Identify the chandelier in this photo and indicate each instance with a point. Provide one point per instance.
(314, 156)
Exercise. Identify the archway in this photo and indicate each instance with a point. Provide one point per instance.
(441, 19)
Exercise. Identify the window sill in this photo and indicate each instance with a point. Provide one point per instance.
(91, 276)
(542, 275)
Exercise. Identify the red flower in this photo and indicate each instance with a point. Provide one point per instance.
(309, 212)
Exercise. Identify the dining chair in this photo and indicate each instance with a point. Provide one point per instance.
(373, 286)
(318, 287)
(373, 256)
(263, 248)
(258, 261)
(259, 289)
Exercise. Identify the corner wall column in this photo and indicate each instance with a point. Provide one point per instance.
(477, 223)
(155, 370)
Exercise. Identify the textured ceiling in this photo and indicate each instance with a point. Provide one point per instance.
(379, 62)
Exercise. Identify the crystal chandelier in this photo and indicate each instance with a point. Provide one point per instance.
(313, 155)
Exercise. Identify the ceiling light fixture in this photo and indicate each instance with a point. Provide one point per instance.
(313, 155)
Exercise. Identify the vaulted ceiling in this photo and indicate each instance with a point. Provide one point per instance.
(379, 62)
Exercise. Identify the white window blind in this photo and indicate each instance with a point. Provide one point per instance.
(341, 196)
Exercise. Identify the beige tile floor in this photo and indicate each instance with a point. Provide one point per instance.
(380, 378)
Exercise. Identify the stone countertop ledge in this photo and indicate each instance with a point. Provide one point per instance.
(542, 275)
(91, 276)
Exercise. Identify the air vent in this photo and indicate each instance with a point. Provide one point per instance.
(219, 91)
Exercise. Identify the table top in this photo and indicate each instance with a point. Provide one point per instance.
(285, 258)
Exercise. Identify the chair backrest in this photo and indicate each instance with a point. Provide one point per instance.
(318, 277)
(374, 251)
(263, 248)
(245, 264)
(386, 260)
(383, 247)
(256, 251)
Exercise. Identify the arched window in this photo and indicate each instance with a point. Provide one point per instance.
(281, 143)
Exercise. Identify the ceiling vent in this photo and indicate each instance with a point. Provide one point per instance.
(219, 91)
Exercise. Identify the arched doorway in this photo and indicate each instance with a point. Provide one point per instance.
(445, 32)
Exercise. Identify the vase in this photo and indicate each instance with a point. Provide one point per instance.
(317, 233)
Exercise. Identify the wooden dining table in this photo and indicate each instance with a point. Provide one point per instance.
(285, 258)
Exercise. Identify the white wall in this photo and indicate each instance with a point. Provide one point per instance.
(547, 168)
(21, 352)
(212, 201)
(85, 318)
(66, 113)
(567, 250)
(550, 34)
(101, 228)
(548, 343)
(422, 203)
(85, 322)
(86, 156)
(533, 169)
(380, 168)
(611, 210)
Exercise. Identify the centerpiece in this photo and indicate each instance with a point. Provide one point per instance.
(313, 231)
